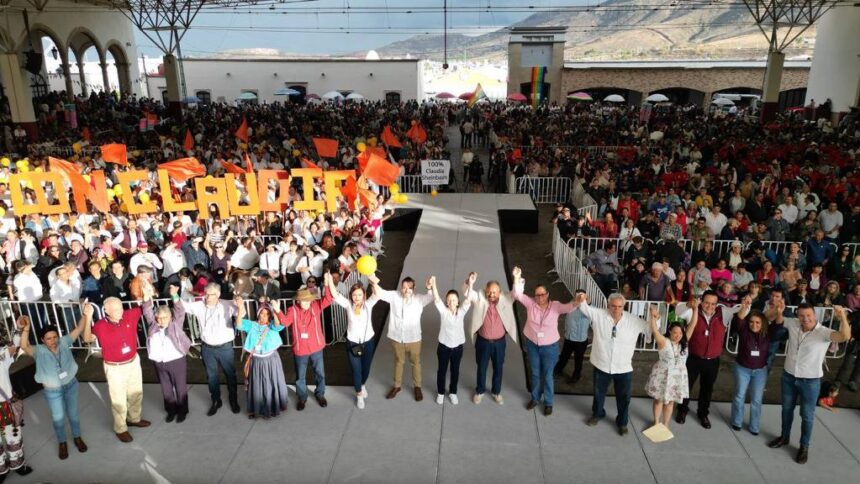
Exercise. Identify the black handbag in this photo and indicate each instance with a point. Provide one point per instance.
(358, 349)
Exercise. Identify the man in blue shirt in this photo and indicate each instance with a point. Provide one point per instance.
(818, 250)
(575, 342)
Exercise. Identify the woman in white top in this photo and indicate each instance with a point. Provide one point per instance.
(628, 231)
(360, 345)
(452, 335)
(311, 263)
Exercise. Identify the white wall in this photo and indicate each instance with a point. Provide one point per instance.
(255, 74)
(835, 72)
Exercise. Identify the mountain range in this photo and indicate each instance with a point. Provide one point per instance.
(622, 29)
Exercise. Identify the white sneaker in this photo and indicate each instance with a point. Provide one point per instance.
(476, 398)
(364, 391)
(453, 398)
(440, 399)
(359, 402)
(498, 398)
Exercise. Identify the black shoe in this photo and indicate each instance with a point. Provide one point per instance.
(300, 406)
(547, 410)
(622, 431)
(777, 442)
(531, 405)
(736, 428)
(170, 417)
(234, 405)
(322, 401)
(573, 379)
(214, 408)
(23, 471)
(592, 421)
(681, 417)
(706, 422)
(180, 418)
(802, 455)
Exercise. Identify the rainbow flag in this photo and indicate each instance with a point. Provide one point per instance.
(478, 94)
(538, 94)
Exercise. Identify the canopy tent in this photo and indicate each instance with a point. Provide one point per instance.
(286, 91)
(614, 98)
(657, 98)
(580, 96)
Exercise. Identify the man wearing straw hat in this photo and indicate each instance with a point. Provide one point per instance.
(305, 320)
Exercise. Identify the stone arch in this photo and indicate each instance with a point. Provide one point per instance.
(122, 62)
(738, 90)
(81, 39)
(682, 94)
(42, 30)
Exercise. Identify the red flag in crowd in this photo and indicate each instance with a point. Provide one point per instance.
(417, 134)
(248, 165)
(310, 164)
(189, 141)
(381, 171)
(242, 132)
(326, 148)
(115, 153)
(85, 133)
(72, 173)
(388, 138)
(232, 168)
(350, 191)
(183, 169)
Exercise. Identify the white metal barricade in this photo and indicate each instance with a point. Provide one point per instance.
(545, 189)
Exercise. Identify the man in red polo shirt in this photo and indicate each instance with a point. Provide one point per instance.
(117, 335)
(705, 347)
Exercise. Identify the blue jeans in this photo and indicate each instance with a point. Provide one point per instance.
(316, 360)
(623, 386)
(486, 351)
(807, 389)
(63, 402)
(448, 357)
(213, 357)
(360, 365)
(754, 380)
(542, 360)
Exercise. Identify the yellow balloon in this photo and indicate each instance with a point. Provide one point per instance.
(433, 192)
(24, 168)
(394, 188)
(2, 212)
(110, 193)
(366, 265)
(403, 198)
(117, 189)
(135, 153)
(38, 169)
(88, 178)
(28, 184)
(372, 142)
(296, 152)
(76, 147)
(5, 161)
(144, 197)
(361, 147)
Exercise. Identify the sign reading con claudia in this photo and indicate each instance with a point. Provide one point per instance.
(209, 191)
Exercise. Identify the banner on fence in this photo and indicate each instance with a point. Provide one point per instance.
(435, 172)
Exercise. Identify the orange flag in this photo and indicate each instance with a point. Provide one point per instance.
(232, 168)
(310, 164)
(115, 153)
(189, 141)
(350, 191)
(388, 138)
(248, 165)
(242, 132)
(151, 119)
(326, 148)
(417, 134)
(380, 171)
(368, 197)
(183, 169)
(72, 173)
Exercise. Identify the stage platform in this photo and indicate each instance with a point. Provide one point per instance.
(403, 441)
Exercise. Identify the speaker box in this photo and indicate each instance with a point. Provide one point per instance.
(33, 63)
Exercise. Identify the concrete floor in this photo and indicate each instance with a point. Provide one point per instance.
(403, 441)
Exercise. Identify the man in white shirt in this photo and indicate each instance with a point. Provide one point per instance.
(270, 260)
(404, 329)
(172, 258)
(216, 321)
(790, 212)
(807, 346)
(28, 289)
(831, 221)
(246, 256)
(715, 220)
(144, 258)
(615, 333)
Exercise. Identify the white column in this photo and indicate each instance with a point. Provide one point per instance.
(835, 72)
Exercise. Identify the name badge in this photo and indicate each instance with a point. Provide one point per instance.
(63, 374)
(126, 350)
(303, 336)
(755, 353)
(540, 335)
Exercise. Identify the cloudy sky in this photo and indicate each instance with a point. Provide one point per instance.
(321, 26)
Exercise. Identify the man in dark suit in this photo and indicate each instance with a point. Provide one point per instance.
(265, 289)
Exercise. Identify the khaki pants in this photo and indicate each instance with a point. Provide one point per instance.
(125, 386)
(400, 352)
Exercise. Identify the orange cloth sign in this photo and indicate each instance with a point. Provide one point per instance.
(380, 171)
(232, 168)
(326, 148)
(309, 164)
(188, 145)
(81, 190)
(183, 169)
(242, 132)
(417, 134)
(115, 153)
(388, 138)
